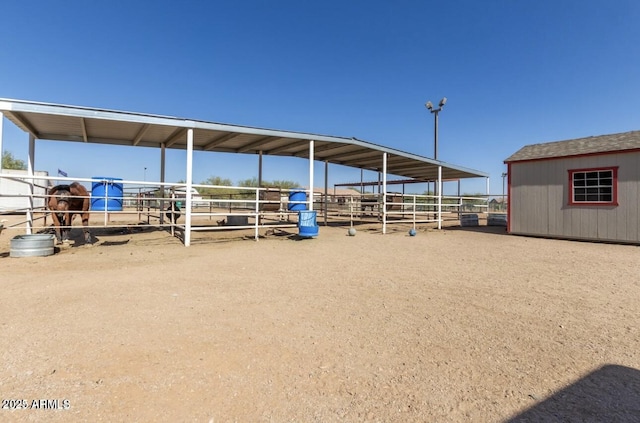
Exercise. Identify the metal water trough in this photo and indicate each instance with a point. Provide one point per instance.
(497, 219)
(469, 219)
(35, 245)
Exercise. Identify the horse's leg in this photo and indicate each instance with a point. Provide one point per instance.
(66, 221)
(56, 224)
(85, 224)
(85, 221)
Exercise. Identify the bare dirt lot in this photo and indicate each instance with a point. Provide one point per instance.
(447, 326)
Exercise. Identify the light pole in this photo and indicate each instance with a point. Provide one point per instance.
(435, 112)
(145, 174)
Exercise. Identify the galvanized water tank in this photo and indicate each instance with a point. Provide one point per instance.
(35, 245)
(470, 219)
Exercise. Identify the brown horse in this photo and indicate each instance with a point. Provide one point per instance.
(65, 201)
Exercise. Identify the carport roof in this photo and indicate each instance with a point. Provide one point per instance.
(99, 126)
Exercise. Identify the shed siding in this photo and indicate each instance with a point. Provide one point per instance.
(540, 192)
(629, 181)
(556, 199)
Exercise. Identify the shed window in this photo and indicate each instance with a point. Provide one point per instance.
(593, 186)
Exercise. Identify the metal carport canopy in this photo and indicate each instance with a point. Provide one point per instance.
(90, 125)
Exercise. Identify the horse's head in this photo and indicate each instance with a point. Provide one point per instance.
(62, 204)
(63, 200)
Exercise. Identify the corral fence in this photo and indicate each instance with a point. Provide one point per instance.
(214, 208)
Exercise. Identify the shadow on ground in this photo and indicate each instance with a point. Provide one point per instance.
(609, 394)
(99, 236)
(496, 230)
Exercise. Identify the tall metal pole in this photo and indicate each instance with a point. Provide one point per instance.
(435, 135)
(435, 111)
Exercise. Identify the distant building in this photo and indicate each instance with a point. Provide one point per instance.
(497, 204)
(15, 195)
(587, 188)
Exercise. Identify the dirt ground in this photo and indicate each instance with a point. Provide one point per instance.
(456, 325)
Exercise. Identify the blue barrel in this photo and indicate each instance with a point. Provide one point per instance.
(106, 194)
(297, 194)
(307, 226)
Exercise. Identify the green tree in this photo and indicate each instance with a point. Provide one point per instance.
(251, 182)
(216, 180)
(284, 184)
(10, 162)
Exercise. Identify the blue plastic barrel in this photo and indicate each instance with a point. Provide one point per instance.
(297, 194)
(106, 194)
(307, 226)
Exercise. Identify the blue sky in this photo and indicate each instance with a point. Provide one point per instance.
(514, 73)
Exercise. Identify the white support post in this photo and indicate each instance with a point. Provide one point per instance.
(326, 193)
(257, 225)
(162, 176)
(311, 159)
(439, 197)
(260, 169)
(1, 132)
(459, 200)
(384, 193)
(30, 173)
(187, 223)
(257, 211)
(414, 210)
(106, 202)
(487, 200)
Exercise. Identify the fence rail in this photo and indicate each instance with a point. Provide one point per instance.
(236, 207)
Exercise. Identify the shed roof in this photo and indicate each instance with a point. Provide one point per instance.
(578, 147)
(91, 125)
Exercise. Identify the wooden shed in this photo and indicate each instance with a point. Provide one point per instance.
(587, 188)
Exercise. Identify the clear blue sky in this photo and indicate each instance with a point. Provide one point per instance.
(514, 72)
